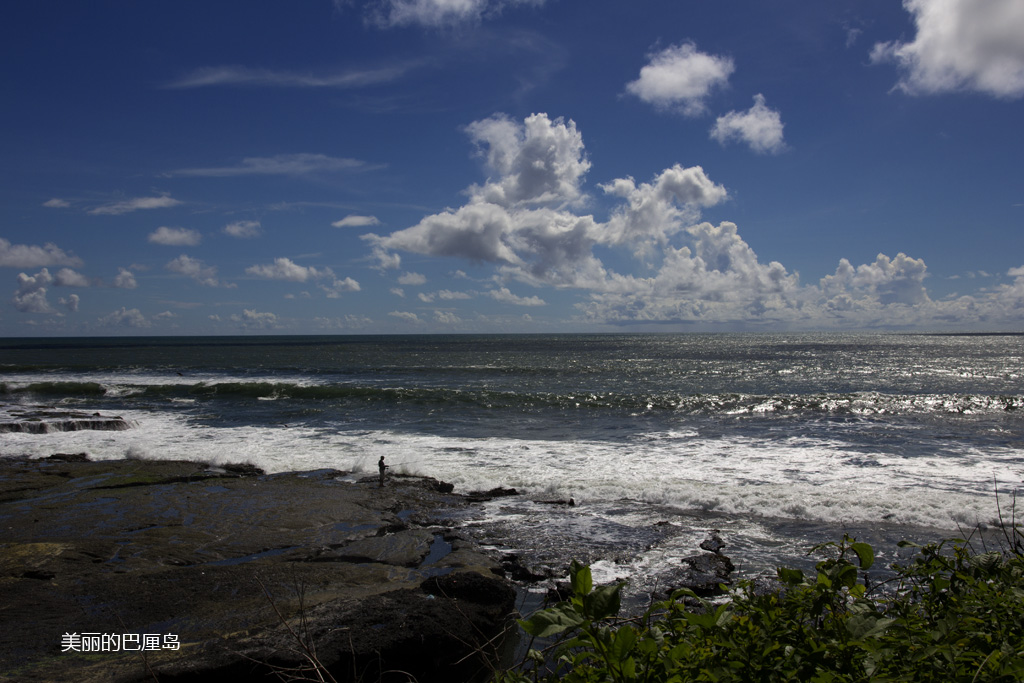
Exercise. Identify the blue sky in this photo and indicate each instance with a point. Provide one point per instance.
(418, 166)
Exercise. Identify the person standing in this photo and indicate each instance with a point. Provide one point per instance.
(382, 467)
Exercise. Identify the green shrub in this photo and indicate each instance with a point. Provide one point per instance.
(947, 616)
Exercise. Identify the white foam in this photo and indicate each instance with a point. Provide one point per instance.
(799, 479)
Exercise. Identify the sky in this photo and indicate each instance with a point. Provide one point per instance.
(479, 166)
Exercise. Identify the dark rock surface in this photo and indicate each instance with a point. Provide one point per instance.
(239, 569)
(47, 420)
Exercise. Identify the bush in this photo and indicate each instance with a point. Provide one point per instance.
(949, 615)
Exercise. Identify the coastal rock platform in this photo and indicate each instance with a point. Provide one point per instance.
(138, 570)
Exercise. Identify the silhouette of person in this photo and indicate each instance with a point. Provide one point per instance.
(381, 466)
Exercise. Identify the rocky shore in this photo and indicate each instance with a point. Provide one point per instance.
(144, 570)
(178, 571)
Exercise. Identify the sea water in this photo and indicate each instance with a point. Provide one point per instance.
(780, 441)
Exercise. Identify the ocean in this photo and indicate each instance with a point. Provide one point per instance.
(779, 441)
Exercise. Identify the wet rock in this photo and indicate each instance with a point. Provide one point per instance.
(713, 543)
(46, 421)
(406, 548)
(498, 492)
(704, 574)
(567, 502)
(69, 457)
(218, 558)
(515, 568)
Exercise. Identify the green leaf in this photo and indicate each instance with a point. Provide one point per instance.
(865, 553)
(581, 579)
(602, 602)
(551, 621)
(862, 626)
(793, 577)
(625, 639)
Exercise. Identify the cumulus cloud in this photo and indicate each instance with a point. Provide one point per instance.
(175, 237)
(70, 303)
(898, 280)
(437, 13)
(66, 277)
(961, 45)
(522, 220)
(659, 209)
(136, 204)
(537, 162)
(412, 279)
(717, 277)
(34, 256)
(243, 229)
(286, 269)
(124, 317)
(681, 76)
(354, 221)
(281, 164)
(31, 294)
(406, 316)
(759, 127)
(688, 270)
(125, 279)
(253, 319)
(446, 318)
(197, 270)
(505, 296)
(339, 287)
(448, 295)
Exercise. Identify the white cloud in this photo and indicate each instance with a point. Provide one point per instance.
(124, 317)
(690, 271)
(899, 280)
(125, 279)
(406, 316)
(385, 260)
(282, 164)
(759, 127)
(213, 76)
(175, 237)
(253, 319)
(66, 277)
(681, 76)
(438, 13)
(136, 204)
(448, 295)
(354, 221)
(33, 256)
(286, 269)
(655, 211)
(446, 318)
(31, 294)
(70, 303)
(338, 287)
(538, 162)
(57, 203)
(972, 45)
(425, 297)
(195, 269)
(243, 229)
(412, 279)
(348, 322)
(716, 277)
(507, 297)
